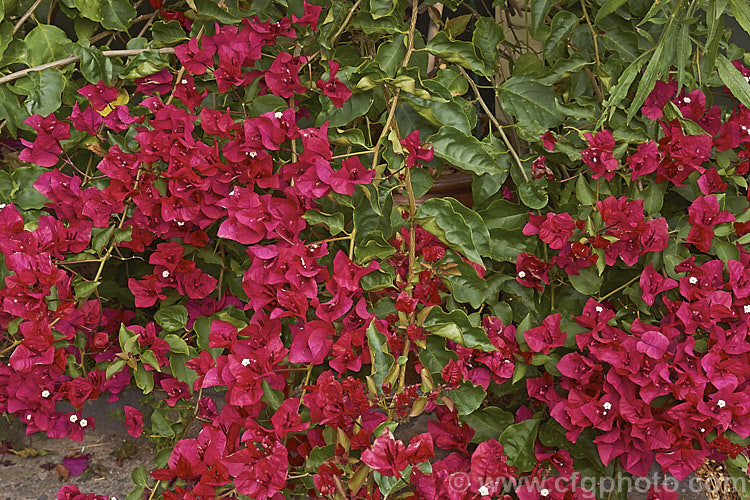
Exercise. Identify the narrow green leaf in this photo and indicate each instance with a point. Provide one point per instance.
(608, 8)
(382, 360)
(562, 25)
(539, 10)
(734, 80)
(741, 12)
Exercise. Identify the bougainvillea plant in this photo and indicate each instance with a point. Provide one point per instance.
(233, 215)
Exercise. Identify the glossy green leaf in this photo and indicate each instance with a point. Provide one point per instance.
(168, 33)
(518, 443)
(90, 9)
(488, 423)
(117, 14)
(741, 11)
(176, 344)
(456, 51)
(391, 54)
(466, 152)
(734, 80)
(533, 194)
(226, 12)
(435, 356)
(588, 281)
(539, 10)
(562, 25)
(172, 318)
(608, 8)
(382, 360)
(466, 286)
(93, 65)
(27, 197)
(502, 214)
(584, 193)
(334, 222)
(487, 37)
(456, 326)
(47, 43)
(457, 226)
(467, 397)
(159, 423)
(271, 396)
(144, 379)
(528, 100)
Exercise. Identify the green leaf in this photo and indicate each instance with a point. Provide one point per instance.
(455, 225)
(435, 356)
(391, 54)
(212, 9)
(608, 8)
(528, 100)
(159, 423)
(44, 90)
(144, 64)
(90, 9)
(179, 370)
(140, 476)
(506, 245)
(176, 344)
(741, 12)
(172, 318)
(47, 43)
(27, 197)
(539, 10)
(533, 194)
(168, 33)
(94, 66)
(734, 80)
(334, 222)
(518, 443)
(588, 281)
(381, 8)
(466, 152)
(726, 251)
(502, 214)
(456, 51)
(148, 357)
(457, 327)
(85, 288)
(562, 25)
(619, 91)
(467, 397)
(357, 105)
(466, 286)
(584, 193)
(488, 423)
(382, 360)
(271, 396)
(487, 37)
(144, 379)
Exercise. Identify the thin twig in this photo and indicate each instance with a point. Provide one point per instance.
(71, 59)
(26, 15)
(346, 21)
(494, 120)
(145, 26)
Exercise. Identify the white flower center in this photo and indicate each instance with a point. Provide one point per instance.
(703, 429)
(45, 393)
(746, 308)
(231, 193)
(693, 280)
(522, 274)
(687, 100)
(245, 362)
(544, 492)
(83, 422)
(721, 403)
(484, 490)
(743, 127)
(165, 274)
(184, 81)
(180, 223)
(3, 205)
(73, 419)
(278, 115)
(252, 154)
(607, 405)
(599, 309)
(28, 417)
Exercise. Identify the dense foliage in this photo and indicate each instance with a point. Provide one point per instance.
(227, 211)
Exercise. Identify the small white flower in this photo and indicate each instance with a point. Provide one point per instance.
(703, 429)
(746, 308)
(721, 403)
(73, 419)
(521, 274)
(692, 280)
(184, 81)
(484, 490)
(607, 405)
(599, 309)
(45, 393)
(231, 193)
(83, 422)
(278, 115)
(687, 100)
(245, 362)
(3, 205)
(544, 492)
(743, 127)
(29, 417)
(180, 223)
(165, 274)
